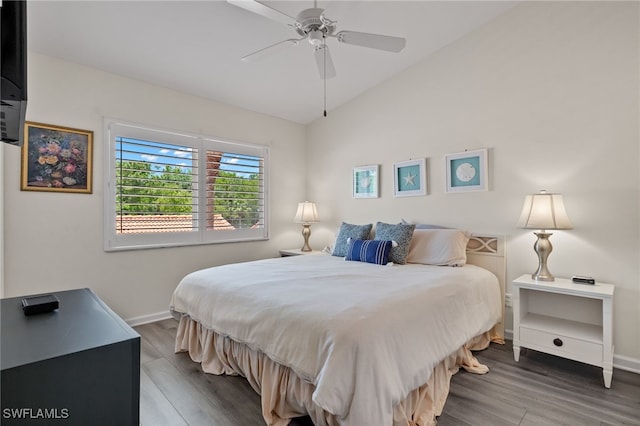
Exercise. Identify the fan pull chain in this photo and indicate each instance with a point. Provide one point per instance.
(324, 53)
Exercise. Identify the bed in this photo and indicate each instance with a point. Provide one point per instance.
(347, 343)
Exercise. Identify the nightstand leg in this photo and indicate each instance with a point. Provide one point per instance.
(607, 374)
(516, 353)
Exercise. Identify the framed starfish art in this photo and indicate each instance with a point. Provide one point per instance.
(410, 178)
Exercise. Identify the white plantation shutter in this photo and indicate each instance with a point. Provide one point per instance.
(156, 187)
(235, 189)
(165, 189)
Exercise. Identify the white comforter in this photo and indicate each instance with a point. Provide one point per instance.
(365, 335)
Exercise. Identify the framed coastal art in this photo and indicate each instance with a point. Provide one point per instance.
(366, 181)
(56, 159)
(410, 178)
(467, 171)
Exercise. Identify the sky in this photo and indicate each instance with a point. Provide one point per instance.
(162, 154)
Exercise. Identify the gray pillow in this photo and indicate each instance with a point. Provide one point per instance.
(347, 230)
(401, 234)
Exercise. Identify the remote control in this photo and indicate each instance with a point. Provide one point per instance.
(40, 304)
(580, 279)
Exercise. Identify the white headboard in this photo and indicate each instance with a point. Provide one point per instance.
(488, 252)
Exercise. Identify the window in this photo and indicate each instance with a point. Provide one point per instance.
(169, 189)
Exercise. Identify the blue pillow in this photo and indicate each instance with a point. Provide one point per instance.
(357, 232)
(370, 251)
(401, 234)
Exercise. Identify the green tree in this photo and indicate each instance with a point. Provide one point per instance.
(236, 196)
(143, 190)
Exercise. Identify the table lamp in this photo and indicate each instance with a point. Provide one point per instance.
(306, 215)
(543, 211)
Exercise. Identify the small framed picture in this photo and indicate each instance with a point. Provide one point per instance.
(366, 182)
(410, 178)
(467, 171)
(56, 159)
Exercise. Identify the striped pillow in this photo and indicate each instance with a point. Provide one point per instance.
(370, 251)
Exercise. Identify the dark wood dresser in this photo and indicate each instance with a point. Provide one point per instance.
(78, 365)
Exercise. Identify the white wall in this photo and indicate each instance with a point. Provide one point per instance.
(54, 241)
(552, 90)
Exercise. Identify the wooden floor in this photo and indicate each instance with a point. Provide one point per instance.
(538, 390)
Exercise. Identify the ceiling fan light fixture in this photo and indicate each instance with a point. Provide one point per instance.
(316, 37)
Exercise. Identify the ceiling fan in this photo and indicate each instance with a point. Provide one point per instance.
(312, 25)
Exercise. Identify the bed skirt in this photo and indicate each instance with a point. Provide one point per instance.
(285, 396)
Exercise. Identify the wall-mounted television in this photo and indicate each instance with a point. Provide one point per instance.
(13, 70)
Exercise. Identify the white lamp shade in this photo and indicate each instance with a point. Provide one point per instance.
(306, 213)
(544, 211)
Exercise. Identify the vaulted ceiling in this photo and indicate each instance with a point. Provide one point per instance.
(196, 46)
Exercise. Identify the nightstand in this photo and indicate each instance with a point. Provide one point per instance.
(297, 252)
(565, 319)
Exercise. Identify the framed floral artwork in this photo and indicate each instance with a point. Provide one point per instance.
(467, 171)
(366, 182)
(56, 159)
(410, 178)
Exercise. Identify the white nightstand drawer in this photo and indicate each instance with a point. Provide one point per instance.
(568, 347)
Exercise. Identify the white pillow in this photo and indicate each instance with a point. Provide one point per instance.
(444, 247)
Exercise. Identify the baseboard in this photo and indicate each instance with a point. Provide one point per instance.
(626, 363)
(146, 319)
(622, 362)
(508, 335)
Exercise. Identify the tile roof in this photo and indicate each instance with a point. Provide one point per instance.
(132, 224)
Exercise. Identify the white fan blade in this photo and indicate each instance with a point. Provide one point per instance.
(269, 50)
(266, 11)
(374, 41)
(324, 62)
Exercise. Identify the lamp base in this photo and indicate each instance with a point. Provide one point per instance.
(543, 248)
(542, 276)
(306, 233)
